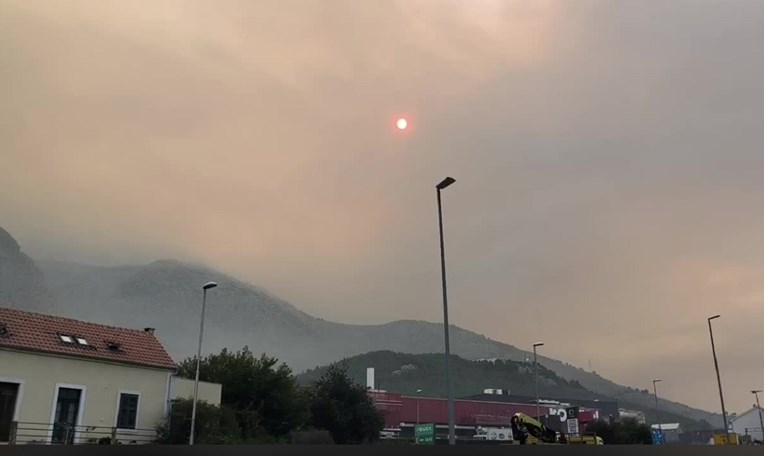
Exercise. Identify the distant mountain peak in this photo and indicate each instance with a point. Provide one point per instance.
(8, 243)
(22, 285)
(171, 263)
(166, 262)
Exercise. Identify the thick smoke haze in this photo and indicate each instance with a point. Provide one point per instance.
(608, 157)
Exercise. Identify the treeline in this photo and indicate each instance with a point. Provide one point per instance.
(406, 373)
(624, 432)
(262, 403)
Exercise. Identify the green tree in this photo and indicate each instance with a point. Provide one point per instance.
(263, 393)
(213, 425)
(624, 432)
(635, 433)
(344, 408)
(602, 429)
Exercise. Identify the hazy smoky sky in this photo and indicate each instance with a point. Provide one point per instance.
(608, 157)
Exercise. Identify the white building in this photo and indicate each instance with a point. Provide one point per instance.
(748, 423)
(69, 381)
(671, 431)
(632, 414)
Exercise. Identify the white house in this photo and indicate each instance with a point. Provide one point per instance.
(748, 423)
(69, 381)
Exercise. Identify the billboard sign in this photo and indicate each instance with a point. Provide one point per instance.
(559, 412)
(572, 420)
(573, 426)
(425, 434)
(493, 433)
(719, 439)
(657, 436)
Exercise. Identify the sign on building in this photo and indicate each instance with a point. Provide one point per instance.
(572, 420)
(495, 433)
(719, 439)
(425, 434)
(657, 436)
(559, 412)
(573, 426)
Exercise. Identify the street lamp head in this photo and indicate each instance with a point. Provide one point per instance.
(657, 380)
(419, 391)
(756, 391)
(209, 285)
(445, 183)
(539, 344)
(712, 318)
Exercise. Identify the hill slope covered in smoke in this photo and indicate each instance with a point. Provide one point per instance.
(166, 295)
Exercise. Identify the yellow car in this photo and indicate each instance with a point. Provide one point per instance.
(585, 440)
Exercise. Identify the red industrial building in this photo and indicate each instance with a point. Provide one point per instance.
(403, 412)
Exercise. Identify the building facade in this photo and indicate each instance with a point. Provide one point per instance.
(632, 414)
(183, 388)
(671, 432)
(607, 410)
(472, 417)
(749, 424)
(69, 381)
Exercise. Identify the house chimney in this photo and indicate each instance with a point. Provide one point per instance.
(371, 378)
(149, 330)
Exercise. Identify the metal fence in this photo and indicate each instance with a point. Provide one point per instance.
(27, 433)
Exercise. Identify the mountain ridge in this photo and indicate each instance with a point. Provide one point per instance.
(166, 295)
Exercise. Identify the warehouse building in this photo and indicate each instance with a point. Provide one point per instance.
(485, 416)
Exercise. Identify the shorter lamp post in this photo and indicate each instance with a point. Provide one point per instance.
(206, 287)
(759, 409)
(418, 405)
(656, 398)
(536, 376)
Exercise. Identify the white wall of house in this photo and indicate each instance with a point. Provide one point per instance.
(748, 423)
(40, 376)
(183, 388)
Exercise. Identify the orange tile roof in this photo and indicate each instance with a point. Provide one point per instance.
(29, 331)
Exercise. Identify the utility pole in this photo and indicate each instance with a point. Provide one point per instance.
(719, 383)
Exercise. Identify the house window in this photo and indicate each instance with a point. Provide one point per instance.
(8, 395)
(127, 413)
(73, 340)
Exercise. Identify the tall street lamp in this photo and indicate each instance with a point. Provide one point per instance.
(759, 409)
(719, 383)
(536, 376)
(442, 185)
(206, 287)
(656, 398)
